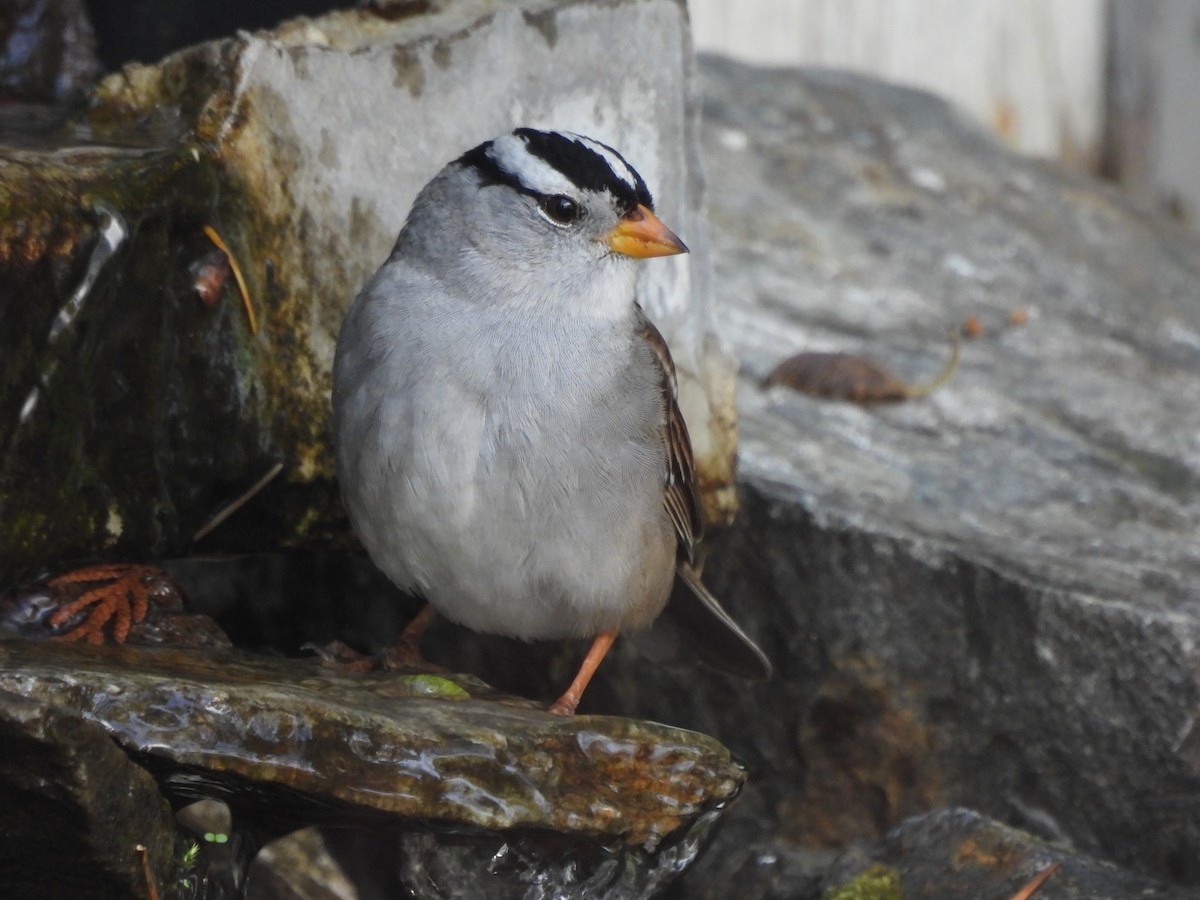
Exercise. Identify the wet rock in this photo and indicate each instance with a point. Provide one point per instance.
(74, 809)
(956, 853)
(329, 863)
(287, 743)
(533, 866)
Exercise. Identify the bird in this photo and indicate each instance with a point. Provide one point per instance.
(509, 442)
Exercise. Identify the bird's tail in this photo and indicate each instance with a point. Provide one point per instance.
(718, 639)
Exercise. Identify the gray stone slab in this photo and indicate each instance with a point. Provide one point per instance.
(989, 596)
(1067, 448)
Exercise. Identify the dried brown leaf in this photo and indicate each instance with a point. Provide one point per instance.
(852, 378)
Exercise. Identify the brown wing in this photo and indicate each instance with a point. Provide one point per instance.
(719, 640)
(681, 496)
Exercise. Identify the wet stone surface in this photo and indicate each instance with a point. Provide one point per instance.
(405, 745)
(440, 867)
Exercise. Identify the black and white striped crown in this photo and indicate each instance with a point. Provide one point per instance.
(545, 163)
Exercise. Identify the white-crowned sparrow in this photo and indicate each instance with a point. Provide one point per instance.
(508, 440)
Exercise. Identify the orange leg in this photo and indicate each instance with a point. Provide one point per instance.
(406, 652)
(565, 705)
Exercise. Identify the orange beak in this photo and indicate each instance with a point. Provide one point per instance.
(641, 234)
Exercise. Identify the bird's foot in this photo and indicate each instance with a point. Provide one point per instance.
(90, 598)
(567, 703)
(404, 654)
(341, 657)
(564, 705)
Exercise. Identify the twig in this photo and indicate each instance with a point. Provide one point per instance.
(922, 389)
(237, 504)
(237, 275)
(1038, 880)
(144, 856)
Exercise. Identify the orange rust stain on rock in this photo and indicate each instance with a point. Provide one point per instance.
(870, 758)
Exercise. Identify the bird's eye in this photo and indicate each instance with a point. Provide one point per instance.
(560, 209)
